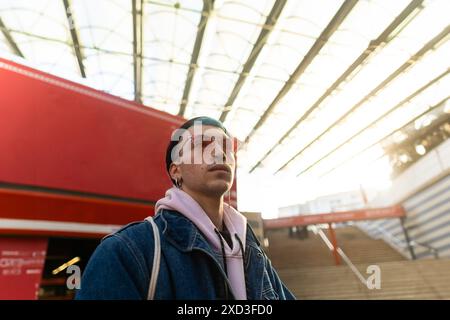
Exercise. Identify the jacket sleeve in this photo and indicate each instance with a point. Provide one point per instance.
(282, 291)
(114, 272)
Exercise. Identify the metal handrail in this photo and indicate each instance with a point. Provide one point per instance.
(347, 260)
(427, 246)
(404, 244)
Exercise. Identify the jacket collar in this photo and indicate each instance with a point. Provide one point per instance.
(182, 233)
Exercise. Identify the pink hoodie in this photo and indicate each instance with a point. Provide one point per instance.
(235, 222)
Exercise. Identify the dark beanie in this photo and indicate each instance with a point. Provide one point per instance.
(205, 121)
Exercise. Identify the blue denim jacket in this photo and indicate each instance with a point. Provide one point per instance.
(120, 267)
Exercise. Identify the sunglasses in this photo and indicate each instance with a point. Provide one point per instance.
(205, 144)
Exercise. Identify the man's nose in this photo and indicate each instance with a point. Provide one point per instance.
(219, 154)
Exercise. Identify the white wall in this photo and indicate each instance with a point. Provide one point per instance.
(431, 166)
(343, 201)
(424, 191)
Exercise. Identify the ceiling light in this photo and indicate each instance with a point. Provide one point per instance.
(399, 137)
(420, 149)
(404, 158)
(424, 121)
(65, 265)
(447, 106)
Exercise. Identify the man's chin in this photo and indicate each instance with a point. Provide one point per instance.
(219, 188)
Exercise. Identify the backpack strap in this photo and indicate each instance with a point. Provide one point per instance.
(156, 259)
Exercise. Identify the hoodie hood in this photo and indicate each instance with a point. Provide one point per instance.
(235, 223)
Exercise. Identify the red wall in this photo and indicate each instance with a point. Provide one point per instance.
(21, 264)
(55, 133)
(61, 135)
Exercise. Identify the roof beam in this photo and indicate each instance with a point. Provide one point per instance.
(382, 39)
(411, 96)
(75, 39)
(419, 54)
(10, 40)
(208, 6)
(437, 105)
(137, 11)
(421, 131)
(271, 20)
(334, 24)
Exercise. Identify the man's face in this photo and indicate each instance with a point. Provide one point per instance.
(207, 160)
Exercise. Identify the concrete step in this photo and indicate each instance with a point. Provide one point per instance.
(310, 272)
(288, 252)
(399, 280)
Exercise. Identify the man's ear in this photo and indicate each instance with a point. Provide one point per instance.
(174, 171)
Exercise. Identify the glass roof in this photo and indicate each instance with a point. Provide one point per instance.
(194, 54)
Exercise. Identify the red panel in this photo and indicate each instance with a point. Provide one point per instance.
(59, 134)
(47, 233)
(366, 214)
(27, 205)
(21, 264)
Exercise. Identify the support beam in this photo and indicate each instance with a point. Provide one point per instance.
(439, 104)
(10, 40)
(334, 24)
(193, 65)
(407, 238)
(411, 60)
(75, 39)
(259, 44)
(423, 132)
(382, 39)
(301, 219)
(334, 243)
(411, 96)
(137, 10)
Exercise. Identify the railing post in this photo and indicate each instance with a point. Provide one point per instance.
(334, 243)
(408, 240)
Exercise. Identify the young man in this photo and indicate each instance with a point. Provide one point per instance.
(208, 251)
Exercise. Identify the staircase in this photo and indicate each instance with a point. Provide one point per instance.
(307, 267)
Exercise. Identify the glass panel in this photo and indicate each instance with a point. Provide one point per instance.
(421, 73)
(4, 47)
(381, 65)
(285, 48)
(232, 30)
(184, 5)
(40, 30)
(108, 43)
(387, 125)
(168, 50)
(344, 46)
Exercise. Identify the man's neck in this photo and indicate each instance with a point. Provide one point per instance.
(213, 207)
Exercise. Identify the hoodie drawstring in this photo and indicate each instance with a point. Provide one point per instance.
(223, 251)
(243, 256)
(241, 246)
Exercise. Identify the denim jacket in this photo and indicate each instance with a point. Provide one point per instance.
(120, 267)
